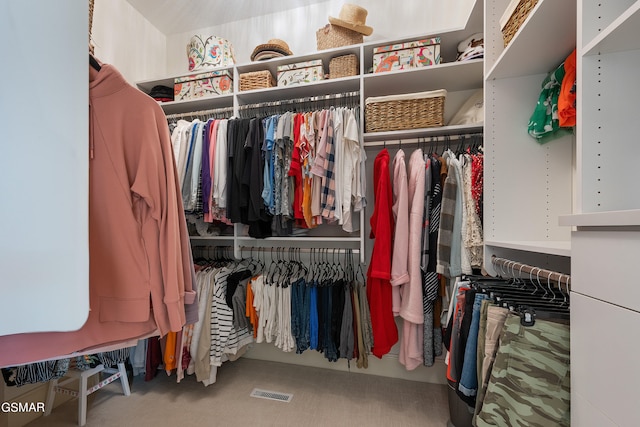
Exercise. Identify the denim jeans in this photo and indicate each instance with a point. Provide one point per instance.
(313, 317)
(298, 290)
(468, 384)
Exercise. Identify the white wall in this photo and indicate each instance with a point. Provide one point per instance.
(125, 39)
(298, 26)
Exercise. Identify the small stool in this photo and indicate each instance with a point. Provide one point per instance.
(55, 386)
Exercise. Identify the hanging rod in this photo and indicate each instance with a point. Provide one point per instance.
(426, 140)
(307, 99)
(515, 268)
(200, 113)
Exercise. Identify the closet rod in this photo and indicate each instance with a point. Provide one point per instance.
(425, 140)
(307, 99)
(200, 113)
(514, 268)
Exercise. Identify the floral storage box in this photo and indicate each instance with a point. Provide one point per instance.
(209, 52)
(300, 73)
(419, 53)
(202, 85)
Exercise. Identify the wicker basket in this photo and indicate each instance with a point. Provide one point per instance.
(91, 47)
(516, 19)
(331, 36)
(256, 80)
(343, 66)
(411, 111)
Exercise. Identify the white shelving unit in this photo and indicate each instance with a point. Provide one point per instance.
(573, 204)
(528, 185)
(605, 300)
(460, 79)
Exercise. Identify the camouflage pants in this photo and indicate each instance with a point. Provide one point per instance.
(530, 379)
(494, 325)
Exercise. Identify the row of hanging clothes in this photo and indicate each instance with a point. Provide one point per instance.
(428, 211)
(508, 343)
(318, 303)
(279, 173)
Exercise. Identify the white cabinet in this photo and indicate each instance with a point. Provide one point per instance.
(605, 307)
(604, 368)
(527, 185)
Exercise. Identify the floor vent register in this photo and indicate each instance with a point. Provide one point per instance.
(271, 395)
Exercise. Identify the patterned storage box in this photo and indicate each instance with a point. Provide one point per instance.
(300, 73)
(419, 53)
(209, 52)
(202, 85)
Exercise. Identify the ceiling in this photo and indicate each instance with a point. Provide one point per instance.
(178, 16)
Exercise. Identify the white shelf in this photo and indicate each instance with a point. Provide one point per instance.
(543, 247)
(148, 84)
(319, 88)
(401, 135)
(303, 242)
(198, 104)
(452, 76)
(211, 238)
(545, 49)
(619, 36)
(629, 218)
(324, 55)
(300, 239)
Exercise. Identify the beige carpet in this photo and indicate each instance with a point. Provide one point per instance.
(321, 397)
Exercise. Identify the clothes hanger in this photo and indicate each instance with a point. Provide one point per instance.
(552, 310)
(542, 301)
(461, 143)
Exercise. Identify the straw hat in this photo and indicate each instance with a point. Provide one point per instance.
(276, 47)
(352, 17)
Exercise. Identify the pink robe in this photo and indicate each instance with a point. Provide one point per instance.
(411, 348)
(399, 261)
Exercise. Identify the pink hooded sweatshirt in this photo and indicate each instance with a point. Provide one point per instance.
(140, 270)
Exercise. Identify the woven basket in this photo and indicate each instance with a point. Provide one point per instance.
(256, 80)
(404, 114)
(516, 19)
(343, 66)
(91, 47)
(331, 36)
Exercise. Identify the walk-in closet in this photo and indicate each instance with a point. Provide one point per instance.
(318, 212)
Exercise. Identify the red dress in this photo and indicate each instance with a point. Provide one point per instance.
(385, 332)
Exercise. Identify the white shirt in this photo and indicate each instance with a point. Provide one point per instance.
(220, 167)
(351, 170)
